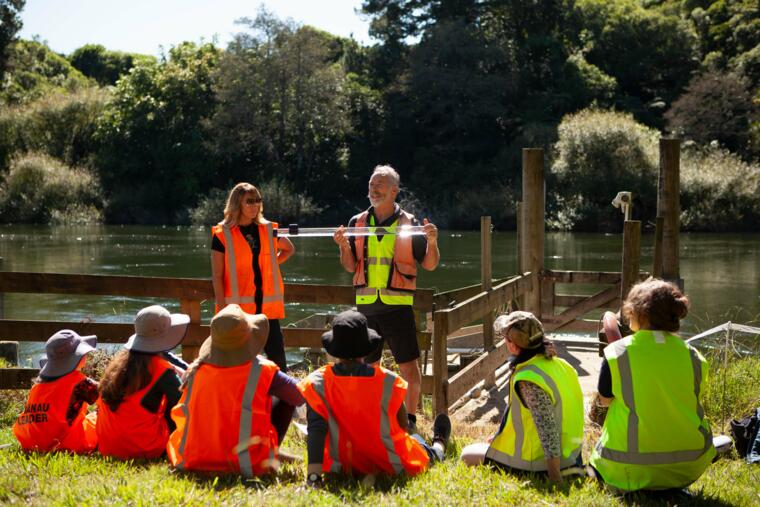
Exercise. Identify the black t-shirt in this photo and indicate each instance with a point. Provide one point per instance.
(419, 248)
(251, 234)
(604, 386)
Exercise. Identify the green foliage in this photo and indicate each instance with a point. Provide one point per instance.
(60, 125)
(10, 24)
(34, 70)
(715, 107)
(731, 390)
(598, 154)
(650, 54)
(153, 158)
(281, 204)
(104, 66)
(283, 110)
(719, 191)
(41, 189)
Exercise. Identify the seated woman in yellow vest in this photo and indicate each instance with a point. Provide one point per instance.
(356, 417)
(542, 426)
(226, 421)
(55, 417)
(655, 435)
(140, 386)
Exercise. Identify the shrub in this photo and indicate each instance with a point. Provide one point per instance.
(281, 204)
(719, 191)
(41, 189)
(598, 154)
(59, 125)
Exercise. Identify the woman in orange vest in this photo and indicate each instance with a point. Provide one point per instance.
(55, 416)
(356, 417)
(245, 264)
(140, 386)
(226, 421)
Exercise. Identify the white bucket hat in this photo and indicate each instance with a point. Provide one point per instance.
(157, 330)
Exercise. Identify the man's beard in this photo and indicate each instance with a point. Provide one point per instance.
(374, 201)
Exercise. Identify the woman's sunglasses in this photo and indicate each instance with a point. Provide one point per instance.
(253, 200)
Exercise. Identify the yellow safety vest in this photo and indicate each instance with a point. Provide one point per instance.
(517, 444)
(655, 435)
(379, 262)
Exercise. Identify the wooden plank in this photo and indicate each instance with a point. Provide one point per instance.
(568, 300)
(107, 332)
(631, 256)
(100, 285)
(191, 307)
(475, 307)
(427, 384)
(444, 300)
(547, 297)
(534, 222)
(476, 371)
(588, 326)
(440, 365)
(486, 270)
(657, 256)
(17, 378)
(598, 299)
(598, 277)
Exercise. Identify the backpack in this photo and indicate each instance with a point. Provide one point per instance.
(746, 434)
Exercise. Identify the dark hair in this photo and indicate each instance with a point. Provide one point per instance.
(127, 373)
(661, 303)
(546, 348)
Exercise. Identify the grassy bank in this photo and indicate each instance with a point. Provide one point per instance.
(76, 480)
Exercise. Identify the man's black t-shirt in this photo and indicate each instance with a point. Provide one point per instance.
(251, 234)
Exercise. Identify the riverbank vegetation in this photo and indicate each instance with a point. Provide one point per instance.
(449, 93)
(62, 479)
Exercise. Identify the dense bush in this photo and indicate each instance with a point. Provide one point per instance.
(281, 204)
(104, 66)
(598, 154)
(60, 125)
(719, 191)
(41, 189)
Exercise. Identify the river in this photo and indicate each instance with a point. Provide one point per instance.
(721, 271)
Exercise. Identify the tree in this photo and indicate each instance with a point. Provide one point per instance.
(10, 24)
(715, 107)
(154, 158)
(283, 107)
(106, 67)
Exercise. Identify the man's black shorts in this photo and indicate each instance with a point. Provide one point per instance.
(399, 331)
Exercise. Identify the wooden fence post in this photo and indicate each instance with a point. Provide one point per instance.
(191, 307)
(486, 275)
(533, 216)
(631, 256)
(440, 364)
(657, 255)
(669, 207)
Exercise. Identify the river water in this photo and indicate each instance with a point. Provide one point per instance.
(721, 271)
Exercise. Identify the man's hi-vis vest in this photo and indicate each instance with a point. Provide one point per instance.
(386, 268)
(364, 435)
(655, 435)
(224, 420)
(517, 444)
(239, 287)
(42, 425)
(132, 431)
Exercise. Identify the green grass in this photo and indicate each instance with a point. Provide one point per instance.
(62, 479)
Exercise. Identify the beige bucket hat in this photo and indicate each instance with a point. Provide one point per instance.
(236, 337)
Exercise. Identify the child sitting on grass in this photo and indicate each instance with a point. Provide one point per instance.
(140, 386)
(55, 416)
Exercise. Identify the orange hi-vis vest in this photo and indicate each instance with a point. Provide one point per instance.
(239, 286)
(364, 435)
(42, 425)
(132, 431)
(224, 420)
(403, 273)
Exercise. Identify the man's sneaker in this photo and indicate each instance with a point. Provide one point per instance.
(411, 426)
(442, 429)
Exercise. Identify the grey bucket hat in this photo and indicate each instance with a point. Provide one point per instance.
(157, 330)
(64, 350)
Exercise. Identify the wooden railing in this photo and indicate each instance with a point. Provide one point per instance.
(190, 292)
(446, 321)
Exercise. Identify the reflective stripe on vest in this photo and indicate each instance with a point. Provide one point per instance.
(318, 382)
(633, 455)
(516, 416)
(186, 412)
(246, 419)
(385, 424)
(268, 243)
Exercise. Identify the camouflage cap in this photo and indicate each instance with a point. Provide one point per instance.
(527, 331)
